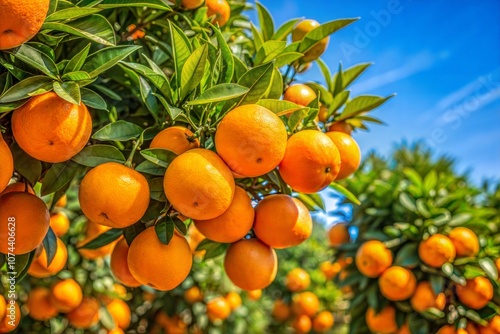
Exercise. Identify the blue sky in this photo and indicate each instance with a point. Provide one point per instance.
(442, 58)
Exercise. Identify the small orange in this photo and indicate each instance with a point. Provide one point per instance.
(176, 139)
(59, 223)
(92, 231)
(3, 306)
(120, 312)
(437, 250)
(465, 241)
(39, 305)
(7, 166)
(119, 264)
(297, 279)
(472, 329)
(12, 317)
(323, 114)
(251, 140)
(300, 94)
(425, 298)
(373, 258)
(86, 314)
(384, 322)
(476, 293)
(116, 330)
(341, 127)
(397, 283)
(193, 295)
(18, 187)
(192, 4)
(281, 310)
(120, 290)
(493, 326)
(450, 329)
(311, 162)
(251, 264)
(339, 234)
(302, 324)
(194, 238)
(322, 322)
(405, 329)
(199, 184)
(305, 303)
(304, 67)
(218, 309)
(254, 295)
(300, 31)
(233, 224)
(135, 33)
(66, 295)
(114, 195)
(330, 270)
(282, 221)
(234, 300)
(350, 154)
(62, 202)
(221, 10)
(39, 268)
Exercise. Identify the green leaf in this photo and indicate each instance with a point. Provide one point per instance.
(156, 189)
(180, 226)
(257, 80)
(103, 239)
(430, 181)
(407, 256)
(258, 40)
(413, 176)
(105, 318)
(218, 93)
(489, 268)
(460, 219)
(95, 155)
(95, 28)
(181, 50)
(118, 131)
(418, 325)
(147, 167)
(92, 99)
(165, 230)
(149, 98)
(324, 30)
(343, 191)
(265, 21)
(276, 88)
(437, 283)
(59, 175)
(76, 76)
(32, 86)
(227, 70)
(133, 231)
(296, 117)
(71, 14)
(50, 245)
(104, 59)
(287, 58)
(152, 4)
(361, 104)
(36, 59)
(327, 74)
(213, 249)
(69, 91)
(280, 107)
(352, 73)
(407, 202)
(159, 156)
(283, 31)
(21, 265)
(30, 168)
(339, 100)
(75, 64)
(193, 70)
(270, 50)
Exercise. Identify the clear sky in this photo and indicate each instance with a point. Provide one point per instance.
(441, 57)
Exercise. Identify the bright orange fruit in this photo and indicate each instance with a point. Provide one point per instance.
(373, 258)
(176, 139)
(7, 165)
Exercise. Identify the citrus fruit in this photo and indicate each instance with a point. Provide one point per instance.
(66, 295)
(425, 298)
(39, 304)
(311, 162)
(192, 4)
(350, 154)
(7, 166)
(450, 329)
(12, 317)
(218, 309)
(193, 295)
(119, 264)
(323, 114)
(176, 139)
(221, 10)
(465, 241)
(135, 33)
(234, 300)
(50, 128)
(199, 185)
(322, 322)
(305, 303)
(114, 195)
(86, 314)
(339, 234)
(300, 94)
(397, 283)
(302, 324)
(194, 238)
(493, 326)
(282, 221)
(383, 322)
(120, 312)
(330, 270)
(436, 250)
(3, 307)
(92, 231)
(157, 265)
(61, 202)
(300, 31)
(476, 293)
(340, 126)
(254, 295)
(251, 264)
(39, 268)
(18, 187)
(304, 67)
(281, 310)
(373, 258)
(59, 223)
(251, 140)
(297, 280)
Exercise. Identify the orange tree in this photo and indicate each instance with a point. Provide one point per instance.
(149, 117)
(427, 248)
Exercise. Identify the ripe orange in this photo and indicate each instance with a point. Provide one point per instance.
(254, 295)
(251, 264)
(114, 195)
(18, 187)
(116, 330)
(472, 329)
(86, 314)
(135, 33)
(341, 127)
(233, 224)
(13, 314)
(437, 250)
(282, 221)
(297, 280)
(425, 298)
(61, 203)
(218, 309)
(251, 140)
(350, 154)
(476, 293)
(176, 139)
(92, 231)
(281, 310)
(3, 307)
(199, 185)
(221, 10)
(119, 264)
(405, 329)
(302, 324)
(397, 283)
(234, 300)
(465, 241)
(59, 223)
(322, 322)
(311, 162)
(24, 218)
(194, 237)
(192, 4)
(301, 30)
(304, 67)
(66, 295)
(193, 295)
(39, 305)
(120, 312)
(7, 166)
(384, 322)
(493, 326)
(305, 303)
(147, 252)
(323, 114)
(497, 264)
(300, 94)
(51, 129)
(373, 258)
(121, 291)
(339, 234)
(450, 329)
(38, 267)
(330, 270)
(20, 21)
(166, 324)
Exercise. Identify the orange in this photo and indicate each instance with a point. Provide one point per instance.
(282, 221)
(120, 290)
(3, 307)
(251, 264)
(114, 195)
(303, 67)
(300, 31)
(192, 4)
(330, 270)
(116, 330)
(302, 324)
(497, 264)
(339, 234)
(297, 280)
(193, 295)
(86, 314)
(254, 295)
(323, 114)
(18, 187)
(233, 224)
(147, 251)
(251, 140)
(199, 185)
(175, 139)
(476, 293)
(471, 329)
(12, 317)
(218, 309)
(300, 94)
(66, 295)
(341, 127)
(120, 312)
(28, 216)
(39, 268)
(221, 10)
(119, 264)
(397, 283)
(384, 322)
(51, 129)
(405, 329)
(311, 162)
(305, 303)
(174, 324)
(493, 326)
(61, 202)
(465, 241)
(194, 237)
(437, 250)
(234, 300)
(20, 21)
(7, 165)
(59, 223)
(135, 33)
(450, 329)
(39, 305)
(92, 231)
(373, 258)
(281, 310)
(350, 154)
(322, 322)
(425, 298)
